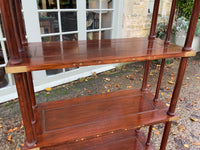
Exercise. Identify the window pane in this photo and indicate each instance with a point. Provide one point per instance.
(1, 56)
(47, 4)
(3, 78)
(106, 34)
(49, 22)
(106, 4)
(70, 37)
(1, 25)
(106, 21)
(53, 71)
(92, 4)
(69, 69)
(51, 38)
(92, 35)
(64, 4)
(92, 20)
(69, 21)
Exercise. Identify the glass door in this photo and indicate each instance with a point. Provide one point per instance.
(70, 20)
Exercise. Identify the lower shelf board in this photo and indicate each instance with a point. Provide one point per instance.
(126, 140)
(86, 117)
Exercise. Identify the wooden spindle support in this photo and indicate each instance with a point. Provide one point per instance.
(167, 42)
(26, 108)
(177, 87)
(10, 17)
(192, 26)
(154, 20)
(165, 135)
(182, 67)
(15, 14)
(174, 100)
(20, 22)
(14, 55)
(183, 63)
(171, 18)
(162, 66)
(151, 38)
(149, 135)
(31, 94)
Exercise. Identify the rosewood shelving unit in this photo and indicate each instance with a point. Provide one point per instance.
(105, 121)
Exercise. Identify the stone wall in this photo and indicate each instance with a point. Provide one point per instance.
(137, 20)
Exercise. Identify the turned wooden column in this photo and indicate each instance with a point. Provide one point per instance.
(171, 18)
(154, 20)
(151, 38)
(8, 25)
(182, 67)
(26, 108)
(20, 22)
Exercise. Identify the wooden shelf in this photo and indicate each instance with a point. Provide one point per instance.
(55, 55)
(117, 141)
(85, 117)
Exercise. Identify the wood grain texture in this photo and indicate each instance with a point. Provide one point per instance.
(126, 140)
(85, 117)
(9, 28)
(55, 55)
(26, 108)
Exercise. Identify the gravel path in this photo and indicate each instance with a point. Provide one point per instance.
(185, 132)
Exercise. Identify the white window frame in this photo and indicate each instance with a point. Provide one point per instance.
(8, 92)
(31, 18)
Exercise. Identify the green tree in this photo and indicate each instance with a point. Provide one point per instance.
(185, 8)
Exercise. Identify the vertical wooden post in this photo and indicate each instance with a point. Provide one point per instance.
(174, 100)
(148, 62)
(9, 32)
(171, 18)
(15, 24)
(151, 38)
(165, 135)
(20, 22)
(149, 135)
(177, 87)
(159, 80)
(167, 42)
(146, 73)
(192, 26)
(154, 19)
(31, 94)
(182, 67)
(187, 46)
(26, 108)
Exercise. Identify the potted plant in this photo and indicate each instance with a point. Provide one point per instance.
(180, 27)
(161, 30)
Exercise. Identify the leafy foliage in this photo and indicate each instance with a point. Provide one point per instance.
(161, 28)
(185, 8)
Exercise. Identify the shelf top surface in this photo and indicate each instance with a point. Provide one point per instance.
(55, 55)
(85, 117)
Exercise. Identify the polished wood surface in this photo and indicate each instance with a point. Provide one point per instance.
(26, 108)
(57, 125)
(85, 117)
(170, 23)
(54, 55)
(9, 28)
(177, 87)
(126, 140)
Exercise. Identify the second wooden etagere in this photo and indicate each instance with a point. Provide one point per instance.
(104, 121)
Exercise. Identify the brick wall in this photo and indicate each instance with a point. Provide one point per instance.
(137, 20)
